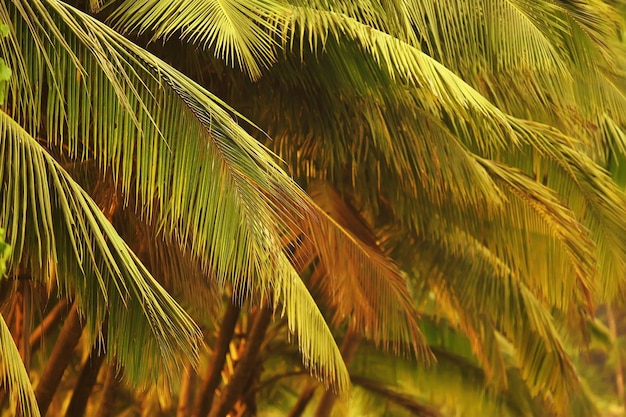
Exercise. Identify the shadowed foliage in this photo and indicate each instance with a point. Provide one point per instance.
(224, 189)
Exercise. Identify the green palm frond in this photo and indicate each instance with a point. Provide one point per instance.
(238, 32)
(182, 275)
(597, 22)
(453, 383)
(557, 43)
(5, 253)
(479, 339)
(13, 375)
(535, 38)
(434, 176)
(176, 269)
(586, 189)
(320, 354)
(170, 143)
(412, 116)
(478, 284)
(12, 372)
(490, 132)
(53, 223)
(548, 53)
(536, 211)
(475, 120)
(532, 37)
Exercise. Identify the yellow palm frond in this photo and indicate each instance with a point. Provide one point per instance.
(53, 223)
(478, 284)
(14, 376)
(238, 32)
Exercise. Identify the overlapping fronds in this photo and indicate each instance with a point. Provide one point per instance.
(167, 141)
(13, 375)
(548, 46)
(473, 119)
(400, 158)
(535, 211)
(364, 286)
(5, 253)
(412, 112)
(477, 283)
(238, 32)
(177, 270)
(454, 381)
(52, 222)
(593, 25)
(323, 359)
(489, 132)
(534, 38)
(479, 338)
(531, 38)
(587, 190)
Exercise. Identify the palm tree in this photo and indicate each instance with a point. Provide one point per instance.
(471, 161)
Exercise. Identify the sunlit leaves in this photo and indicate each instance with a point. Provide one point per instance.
(53, 223)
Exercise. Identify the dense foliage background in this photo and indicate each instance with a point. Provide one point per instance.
(313, 207)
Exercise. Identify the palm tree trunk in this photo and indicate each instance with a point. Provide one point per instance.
(204, 400)
(185, 398)
(58, 361)
(48, 323)
(303, 400)
(349, 346)
(109, 393)
(245, 366)
(86, 381)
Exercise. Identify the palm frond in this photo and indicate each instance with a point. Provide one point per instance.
(13, 375)
(561, 225)
(476, 338)
(453, 382)
(532, 37)
(172, 144)
(363, 284)
(587, 190)
(493, 134)
(53, 223)
(238, 32)
(490, 132)
(320, 354)
(551, 57)
(177, 270)
(535, 39)
(479, 284)
(597, 22)
(5, 252)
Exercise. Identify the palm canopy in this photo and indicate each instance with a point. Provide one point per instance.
(424, 131)
(425, 78)
(437, 90)
(235, 215)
